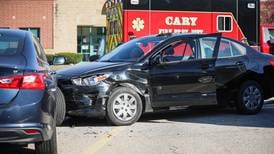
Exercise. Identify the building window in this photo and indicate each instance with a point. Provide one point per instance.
(224, 23)
(90, 40)
(35, 31)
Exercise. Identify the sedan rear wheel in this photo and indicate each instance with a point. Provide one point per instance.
(251, 98)
(47, 147)
(124, 107)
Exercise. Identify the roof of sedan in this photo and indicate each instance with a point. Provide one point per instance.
(13, 32)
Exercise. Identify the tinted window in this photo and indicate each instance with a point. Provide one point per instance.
(132, 50)
(10, 45)
(225, 49)
(41, 56)
(238, 49)
(230, 49)
(207, 47)
(179, 51)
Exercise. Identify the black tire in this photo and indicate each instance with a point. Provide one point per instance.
(60, 107)
(47, 147)
(243, 106)
(113, 118)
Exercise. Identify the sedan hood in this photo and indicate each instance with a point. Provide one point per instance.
(90, 67)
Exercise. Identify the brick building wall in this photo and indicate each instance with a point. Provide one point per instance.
(29, 14)
(267, 11)
(68, 15)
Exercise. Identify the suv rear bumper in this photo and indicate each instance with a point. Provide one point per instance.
(15, 133)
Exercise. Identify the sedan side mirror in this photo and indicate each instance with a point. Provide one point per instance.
(93, 58)
(271, 41)
(59, 60)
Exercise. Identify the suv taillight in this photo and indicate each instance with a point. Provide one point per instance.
(33, 81)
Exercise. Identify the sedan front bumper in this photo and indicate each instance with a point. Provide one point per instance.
(88, 101)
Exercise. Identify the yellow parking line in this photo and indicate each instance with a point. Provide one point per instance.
(103, 140)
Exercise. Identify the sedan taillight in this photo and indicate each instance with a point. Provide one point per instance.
(33, 81)
(271, 62)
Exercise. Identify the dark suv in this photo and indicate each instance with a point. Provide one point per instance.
(27, 93)
(162, 71)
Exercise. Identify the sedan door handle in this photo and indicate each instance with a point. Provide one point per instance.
(239, 63)
(206, 66)
(241, 66)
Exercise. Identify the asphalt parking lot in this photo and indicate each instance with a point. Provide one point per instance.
(202, 130)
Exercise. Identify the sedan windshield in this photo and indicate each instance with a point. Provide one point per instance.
(132, 50)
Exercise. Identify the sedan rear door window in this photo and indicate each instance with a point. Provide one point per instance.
(238, 49)
(230, 49)
(225, 49)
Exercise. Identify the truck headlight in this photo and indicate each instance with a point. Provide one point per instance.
(92, 80)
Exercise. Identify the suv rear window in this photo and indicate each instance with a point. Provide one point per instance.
(9, 45)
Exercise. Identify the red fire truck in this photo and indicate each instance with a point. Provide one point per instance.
(237, 19)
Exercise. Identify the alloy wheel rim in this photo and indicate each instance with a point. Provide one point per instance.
(252, 97)
(125, 107)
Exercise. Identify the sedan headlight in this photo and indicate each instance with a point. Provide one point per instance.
(91, 81)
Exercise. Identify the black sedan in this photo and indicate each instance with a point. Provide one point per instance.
(168, 70)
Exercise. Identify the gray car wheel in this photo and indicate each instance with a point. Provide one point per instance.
(124, 107)
(250, 98)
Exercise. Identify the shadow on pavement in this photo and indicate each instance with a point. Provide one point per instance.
(84, 122)
(203, 115)
(209, 115)
(14, 149)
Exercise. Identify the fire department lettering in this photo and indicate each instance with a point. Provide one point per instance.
(181, 21)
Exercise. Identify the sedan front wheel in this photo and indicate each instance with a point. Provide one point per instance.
(124, 107)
